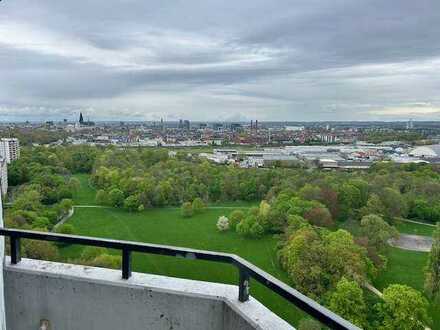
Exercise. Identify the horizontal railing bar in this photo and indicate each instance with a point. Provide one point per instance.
(120, 245)
(304, 303)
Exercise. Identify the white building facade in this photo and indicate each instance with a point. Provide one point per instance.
(10, 149)
(3, 176)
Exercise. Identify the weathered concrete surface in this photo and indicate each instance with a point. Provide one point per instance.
(74, 297)
(412, 242)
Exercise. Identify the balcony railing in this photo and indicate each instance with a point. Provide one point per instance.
(246, 270)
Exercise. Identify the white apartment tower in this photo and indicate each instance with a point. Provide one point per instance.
(3, 176)
(9, 149)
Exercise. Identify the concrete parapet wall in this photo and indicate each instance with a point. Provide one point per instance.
(74, 297)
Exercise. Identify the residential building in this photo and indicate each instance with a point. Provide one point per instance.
(9, 149)
(3, 176)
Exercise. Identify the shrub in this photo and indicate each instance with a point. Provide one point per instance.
(116, 197)
(40, 250)
(65, 228)
(223, 223)
(186, 210)
(91, 252)
(250, 226)
(198, 205)
(102, 197)
(132, 203)
(107, 261)
(235, 217)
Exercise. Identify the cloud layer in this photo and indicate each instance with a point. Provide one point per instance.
(220, 60)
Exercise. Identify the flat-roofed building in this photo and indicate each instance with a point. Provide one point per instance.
(431, 151)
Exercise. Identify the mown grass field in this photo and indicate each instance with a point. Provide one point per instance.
(86, 195)
(414, 228)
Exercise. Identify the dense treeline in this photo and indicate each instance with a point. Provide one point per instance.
(44, 185)
(30, 136)
(150, 178)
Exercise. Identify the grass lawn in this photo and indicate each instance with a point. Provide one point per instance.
(86, 194)
(407, 267)
(414, 228)
(166, 226)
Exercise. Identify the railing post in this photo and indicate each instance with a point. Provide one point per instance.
(126, 264)
(15, 250)
(243, 285)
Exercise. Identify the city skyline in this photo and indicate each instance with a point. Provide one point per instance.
(215, 61)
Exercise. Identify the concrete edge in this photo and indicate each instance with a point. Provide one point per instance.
(255, 313)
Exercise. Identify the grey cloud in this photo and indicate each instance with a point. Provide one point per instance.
(292, 60)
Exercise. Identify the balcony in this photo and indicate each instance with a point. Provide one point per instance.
(49, 295)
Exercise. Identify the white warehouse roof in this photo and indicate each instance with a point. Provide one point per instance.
(431, 151)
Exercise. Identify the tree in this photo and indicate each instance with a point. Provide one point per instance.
(102, 197)
(309, 192)
(374, 206)
(74, 184)
(394, 203)
(198, 205)
(235, 217)
(347, 300)
(329, 198)
(345, 258)
(350, 199)
(29, 200)
(116, 197)
(363, 189)
(223, 223)
(66, 205)
(250, 226)
(403, 308)
(319, 216)
(377, 231)
(132, 203)
(186, 210)
(304, 258)
(432, 276)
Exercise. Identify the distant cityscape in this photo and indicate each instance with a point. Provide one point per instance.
(343, 145)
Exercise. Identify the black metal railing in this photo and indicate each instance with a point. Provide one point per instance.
(246, 269)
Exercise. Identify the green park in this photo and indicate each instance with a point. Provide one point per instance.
(286, 231)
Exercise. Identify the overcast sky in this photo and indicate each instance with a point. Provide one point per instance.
(220, 60)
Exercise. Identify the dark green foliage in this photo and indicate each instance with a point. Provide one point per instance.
(432, 279)
(186, 210)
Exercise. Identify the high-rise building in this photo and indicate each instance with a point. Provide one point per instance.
(3, 176)
(81, 118)
(9, 149)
